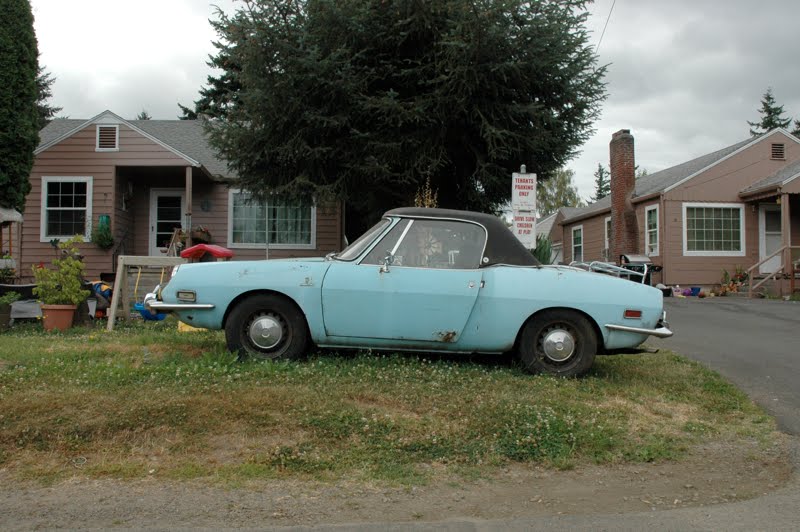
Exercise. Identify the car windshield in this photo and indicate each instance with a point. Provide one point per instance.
(355, 249)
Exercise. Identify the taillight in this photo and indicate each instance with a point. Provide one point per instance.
(631, 314)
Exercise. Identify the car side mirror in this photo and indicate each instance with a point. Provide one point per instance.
(388, 260)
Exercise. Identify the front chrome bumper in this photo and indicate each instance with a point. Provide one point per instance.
(151, 302)
(661, 331)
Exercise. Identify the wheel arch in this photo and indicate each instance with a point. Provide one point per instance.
(260, 292)
(595, 326)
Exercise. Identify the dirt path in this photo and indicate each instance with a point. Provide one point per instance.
(710, 475)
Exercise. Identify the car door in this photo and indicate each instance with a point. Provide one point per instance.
(425, 293)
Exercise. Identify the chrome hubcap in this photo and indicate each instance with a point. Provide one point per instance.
(558, 345)
(266, 332)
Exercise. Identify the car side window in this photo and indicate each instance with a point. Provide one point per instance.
(441, 244)
(387, 244)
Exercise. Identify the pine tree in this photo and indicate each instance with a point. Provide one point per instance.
(771, 116)
(19, 116)
(796, 130)
(364, 100)
(602, 183)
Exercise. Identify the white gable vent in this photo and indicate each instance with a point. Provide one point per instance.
(778, 151)
(107, 138)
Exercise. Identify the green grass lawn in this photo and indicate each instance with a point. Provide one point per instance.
(146, 400)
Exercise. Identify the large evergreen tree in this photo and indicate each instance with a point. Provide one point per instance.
(558, 191)
(365, 100)
(19, 118)
(602, 183)
(771, 116)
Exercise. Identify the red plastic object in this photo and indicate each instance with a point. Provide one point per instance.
(197, 251)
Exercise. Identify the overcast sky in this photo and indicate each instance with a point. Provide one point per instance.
(684, 75)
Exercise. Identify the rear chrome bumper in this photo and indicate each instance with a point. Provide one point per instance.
(151, 302)
(661, 331)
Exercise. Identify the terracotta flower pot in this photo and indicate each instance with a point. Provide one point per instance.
(57, 316)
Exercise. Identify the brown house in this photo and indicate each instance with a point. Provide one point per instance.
(738, 207)
(146, 178)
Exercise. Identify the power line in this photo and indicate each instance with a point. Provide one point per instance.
(604, 27)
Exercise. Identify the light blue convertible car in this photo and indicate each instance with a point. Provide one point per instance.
(419, 280)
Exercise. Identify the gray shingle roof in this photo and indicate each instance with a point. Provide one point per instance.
(185, 136)
(660, 181)
(787, 172)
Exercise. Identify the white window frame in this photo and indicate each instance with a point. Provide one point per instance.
(647, 232)
(742, 232)
(43, 236)
(607, 248)
(97, 138)
(572, 242)
(232, 245)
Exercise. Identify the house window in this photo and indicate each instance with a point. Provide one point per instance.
(713, 229)
(778, 152)
(279, 222)
(606, 243)
(651, 231)
(67, 207)
(107, 138)
(577, 243)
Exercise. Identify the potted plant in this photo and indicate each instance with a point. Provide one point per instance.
(5, 308)
(60, 288)
(200, 235)
(102, 237)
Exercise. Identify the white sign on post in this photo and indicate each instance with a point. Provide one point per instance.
(523, 207)
(523, 191)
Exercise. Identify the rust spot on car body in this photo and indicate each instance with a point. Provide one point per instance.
(446, 336)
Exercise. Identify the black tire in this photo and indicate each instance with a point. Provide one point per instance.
(267, 326)
(558, 342)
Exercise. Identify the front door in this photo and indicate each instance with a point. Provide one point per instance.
(769, 237)
(405, 304)
(418, 284)
(166, 214)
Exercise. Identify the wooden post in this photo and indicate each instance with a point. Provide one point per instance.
(786, 240)
(188, 216)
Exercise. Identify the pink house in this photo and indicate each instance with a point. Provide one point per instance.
(145, 179)
(738, 207)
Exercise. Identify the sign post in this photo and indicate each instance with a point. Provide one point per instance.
(523, 206)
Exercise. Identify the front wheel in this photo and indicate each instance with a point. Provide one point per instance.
(558, 342)
(267, 326)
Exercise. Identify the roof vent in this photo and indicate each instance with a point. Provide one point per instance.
(107, 138)
(778, 152)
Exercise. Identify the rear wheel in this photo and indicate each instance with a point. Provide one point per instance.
(558, 342)
(267, 326)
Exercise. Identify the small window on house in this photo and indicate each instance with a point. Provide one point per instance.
(651, 231)
(778, 152)
(107, 138)
(577, 243)
(66, 207)
(606, 241)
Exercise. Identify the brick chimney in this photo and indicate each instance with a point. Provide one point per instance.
(624, 238)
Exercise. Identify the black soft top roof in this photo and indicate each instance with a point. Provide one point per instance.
(502, 247)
